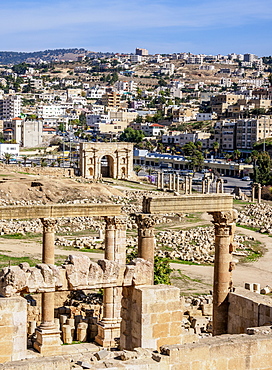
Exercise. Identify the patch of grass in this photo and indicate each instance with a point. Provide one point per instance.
(185, 278)
(6, 260)
(237, 201)
(21, 236)
(74, 342)
(193, 217)
(188, 263)
(255, 251)
(25, 173)
(249, 227)
(71, 248)
(77, 233)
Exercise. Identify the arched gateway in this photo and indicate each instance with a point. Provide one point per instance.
(113, 160)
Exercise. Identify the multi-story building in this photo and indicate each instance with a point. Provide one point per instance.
(10, 107)
(12, 130)
(50, 111)
(249, 131)
(111, 99)
(141, 52)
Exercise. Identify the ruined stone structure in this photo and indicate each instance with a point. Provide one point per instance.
(113, 160)
(143, 315)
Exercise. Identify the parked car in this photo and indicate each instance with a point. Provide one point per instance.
(246, 178)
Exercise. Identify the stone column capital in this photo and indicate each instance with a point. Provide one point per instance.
(224, 222)
(116, 222)
(145, 221)
(49, 224)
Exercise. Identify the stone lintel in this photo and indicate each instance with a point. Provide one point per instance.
(188, 203)
(57, 210)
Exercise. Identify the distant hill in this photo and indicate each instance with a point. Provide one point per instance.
(13, 57)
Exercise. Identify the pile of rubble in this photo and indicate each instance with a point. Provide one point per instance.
(197, 317)
(87, 242)
(258, 216)
(193, 245)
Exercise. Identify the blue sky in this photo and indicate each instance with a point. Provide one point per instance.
(161, 26)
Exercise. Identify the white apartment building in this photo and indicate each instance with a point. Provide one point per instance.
(10, 107)
(96, 92)
(136, 58)
(93, 119)
(126, 86)
(50, 111)
(12, 149)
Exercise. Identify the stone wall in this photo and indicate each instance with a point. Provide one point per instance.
(151, 316)
(12, 329)
(248, 309)
(236, 352)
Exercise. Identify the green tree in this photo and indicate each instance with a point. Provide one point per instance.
(137, 169)
(162, 270)
(236, 154)
(7, 157)
(262, 169)
(194, 155)
(131, 135)
(216, 147)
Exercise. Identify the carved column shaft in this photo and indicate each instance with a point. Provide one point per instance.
(224, 224)
(146, 237)
(115, 239)
(259, 193)
(49, 228)
(48, 257)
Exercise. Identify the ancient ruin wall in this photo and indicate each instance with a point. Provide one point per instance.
(247, 309)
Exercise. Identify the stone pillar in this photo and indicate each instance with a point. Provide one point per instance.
(177, 183)
(203, 187)
(259, 193)
(146, 237)
(48, 336)
(224, 225)
(219, 186)
(252, 192)
(170, 181)
(162, 181)
(186, 185)
(208, 184)
(115, 250)
(190, 181)
(158, 180)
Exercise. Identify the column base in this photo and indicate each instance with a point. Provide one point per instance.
(108, 333)
(48, 341)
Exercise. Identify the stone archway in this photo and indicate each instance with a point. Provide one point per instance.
(113, 160)
(106, 164)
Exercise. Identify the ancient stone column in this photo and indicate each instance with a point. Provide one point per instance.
(177, 183)
(224, 225)
(203, 187)
(115, 250)
(162, 181)
(48, 251)
(186, 185)
(252, 192)
(170, 181)
(219, 186)
(259, 193)
(48, 336)
(208, 184)
(190, 181)
(146, 237)
(158, 180)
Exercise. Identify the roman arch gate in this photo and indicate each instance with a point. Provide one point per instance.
(114, 159)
